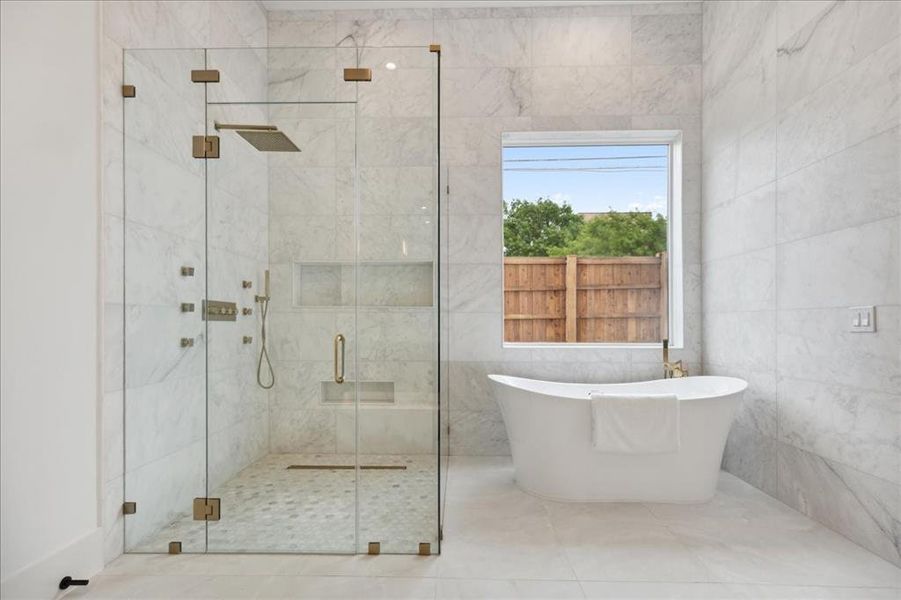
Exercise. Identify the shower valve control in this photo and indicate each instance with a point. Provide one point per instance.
(246, 311)
(187, 271)
(187, 307)
(218, 310)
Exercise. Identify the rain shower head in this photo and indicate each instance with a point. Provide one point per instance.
(265, 138)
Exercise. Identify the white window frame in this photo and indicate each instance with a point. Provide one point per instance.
(671, 138)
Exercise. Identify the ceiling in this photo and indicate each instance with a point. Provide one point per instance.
(376, 4)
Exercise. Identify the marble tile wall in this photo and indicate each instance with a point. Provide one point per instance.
(159, 227)
(521, 69)
(800, 220)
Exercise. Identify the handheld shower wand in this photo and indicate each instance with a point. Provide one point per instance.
(264, 352)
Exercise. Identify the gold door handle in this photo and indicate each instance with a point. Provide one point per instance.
(339, 374)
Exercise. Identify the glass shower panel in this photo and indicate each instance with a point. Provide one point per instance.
(397, 308)
(163, 228)
(282, 460)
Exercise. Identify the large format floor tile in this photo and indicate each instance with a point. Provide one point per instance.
(500, 542)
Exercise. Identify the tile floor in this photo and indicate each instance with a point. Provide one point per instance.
(270, 508)
(502, 543)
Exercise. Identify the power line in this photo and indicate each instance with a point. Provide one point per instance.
(582, 158)
(587, 169)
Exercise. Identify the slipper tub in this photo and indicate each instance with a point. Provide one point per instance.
(549, 428)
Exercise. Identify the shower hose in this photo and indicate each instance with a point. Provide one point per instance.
(264, 353)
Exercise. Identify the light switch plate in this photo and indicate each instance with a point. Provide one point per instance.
(862, 319)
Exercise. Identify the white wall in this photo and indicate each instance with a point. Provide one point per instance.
(800, 220)
(48, 317)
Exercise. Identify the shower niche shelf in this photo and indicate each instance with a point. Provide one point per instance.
(379, 284)
(371, 392)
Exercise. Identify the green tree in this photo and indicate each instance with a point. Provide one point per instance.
(537, 228)
(618, 234)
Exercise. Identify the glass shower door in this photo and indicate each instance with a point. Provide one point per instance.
(397, 307)
(282, 445)
(163, 238)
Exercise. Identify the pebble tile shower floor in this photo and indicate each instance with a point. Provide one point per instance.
(268, 507)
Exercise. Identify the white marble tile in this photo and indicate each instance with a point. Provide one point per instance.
(858, 104)
(356, 30)
(488, 91)
(818, 199)
(756, 158)
(476, 141)
(184, 472)
(741, 339)
(626, 551)
(856, 427)
(605, 90)
(302, 28)
(742, 225)
(859, 506)
(792, 16)
(475, 239)
(811, 57)
(163, 418)
(475, 287)
(742, 282)
(303, 430)
(501, 42)
(153, 351)
(397, 191)
(666, 39)
(849, 267)
(811, 342)
(509, 588)
(581, 41)
(666, 90)
(387, 142)
(475, 433)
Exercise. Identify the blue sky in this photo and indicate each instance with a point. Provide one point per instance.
(627, 182)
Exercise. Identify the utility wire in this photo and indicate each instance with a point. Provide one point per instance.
(506, 160)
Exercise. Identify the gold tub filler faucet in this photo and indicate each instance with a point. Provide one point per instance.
(672, 370)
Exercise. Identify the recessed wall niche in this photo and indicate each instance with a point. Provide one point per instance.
(324, 284)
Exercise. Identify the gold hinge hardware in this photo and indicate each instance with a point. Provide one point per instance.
(206, 509)
(435, 48)
(357, 74)
(128, 91)
(129, 508)
(174, 547)
(205, 76)
(425, 549)
(375, 548)
(205, 146)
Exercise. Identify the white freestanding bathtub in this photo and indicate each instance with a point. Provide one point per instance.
(549, 427)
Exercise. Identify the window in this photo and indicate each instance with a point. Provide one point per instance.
(592, 237)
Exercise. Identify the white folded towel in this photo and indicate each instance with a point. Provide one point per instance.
(635, 423)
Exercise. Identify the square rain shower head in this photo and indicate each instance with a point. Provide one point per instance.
(268, 141)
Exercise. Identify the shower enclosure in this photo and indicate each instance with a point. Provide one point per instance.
(315, 170)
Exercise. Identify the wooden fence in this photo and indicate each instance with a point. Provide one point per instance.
(574, 299)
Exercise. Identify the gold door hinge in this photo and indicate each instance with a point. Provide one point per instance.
(435, 48)
(129, 508)
(205, 146)
(205, 76)
(128, 91)
(425, 549)
(357, 74)
(375, 548)
(174, 547)
(206, 509)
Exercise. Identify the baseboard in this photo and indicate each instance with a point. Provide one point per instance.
(82, 558)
